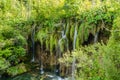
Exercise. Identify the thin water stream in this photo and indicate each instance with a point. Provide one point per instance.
(41, 62)
(96, 37)
(33, 44)
(74, 59)
(63, 37)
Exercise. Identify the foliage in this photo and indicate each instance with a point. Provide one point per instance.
(114, 48)
(17, 69)
(11, 50)
(54, 22)
(99, 61)
(89, 20)
(95, 62)
(46, 14)
(3, 64)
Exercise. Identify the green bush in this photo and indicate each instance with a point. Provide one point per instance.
(114, 49)
(3, 63)
(17, 54)
(11, 49)
(17, 69)
(96, 62)
(7, 32)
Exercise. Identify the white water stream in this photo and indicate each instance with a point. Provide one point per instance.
(74, 59)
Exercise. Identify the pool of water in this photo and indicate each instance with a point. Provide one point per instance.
(33, 75)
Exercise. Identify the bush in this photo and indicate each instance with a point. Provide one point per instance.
(3, 63)
(17, 69)
(95, 62)
(7, 32)
(11, 49)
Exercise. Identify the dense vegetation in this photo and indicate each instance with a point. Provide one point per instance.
(62, 28)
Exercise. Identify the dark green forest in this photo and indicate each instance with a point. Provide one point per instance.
(69, 39)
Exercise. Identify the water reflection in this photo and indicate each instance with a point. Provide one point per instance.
(33, 75)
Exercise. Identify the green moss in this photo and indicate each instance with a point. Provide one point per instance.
(18, 69)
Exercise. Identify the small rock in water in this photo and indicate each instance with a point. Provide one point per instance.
(57, 70)
(41, 71)
(66, 79)
(51, 76)
(33, 60)
(59, 78)
(54, 77)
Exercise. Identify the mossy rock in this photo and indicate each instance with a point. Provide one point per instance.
(19, 69)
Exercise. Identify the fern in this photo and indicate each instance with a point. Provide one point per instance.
(55, 41)
(77, 42)
(47, 43)
(86, 33)
(67, 28)
(79, 35)
(62, 46)
(51, 43)
(72, 32)
(41, 36)
(81, 29)
(47, 40)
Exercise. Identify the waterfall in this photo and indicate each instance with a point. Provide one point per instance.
(33, 44)
(39, 58)
(75, 37)
(74, 60)
(96, 37)
(32, 35)
(63, 37)
(67, 44)
(41, 66)
(58, 54)
(60, 40)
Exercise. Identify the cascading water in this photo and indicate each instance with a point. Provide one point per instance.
(58, 54)
(39, 58)
(74, 60)
(75, 37)
(33, 44)
(64, 37)
(41, 69)
(41, 66)
(67, 44)
(63, 34)
(96, 37)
